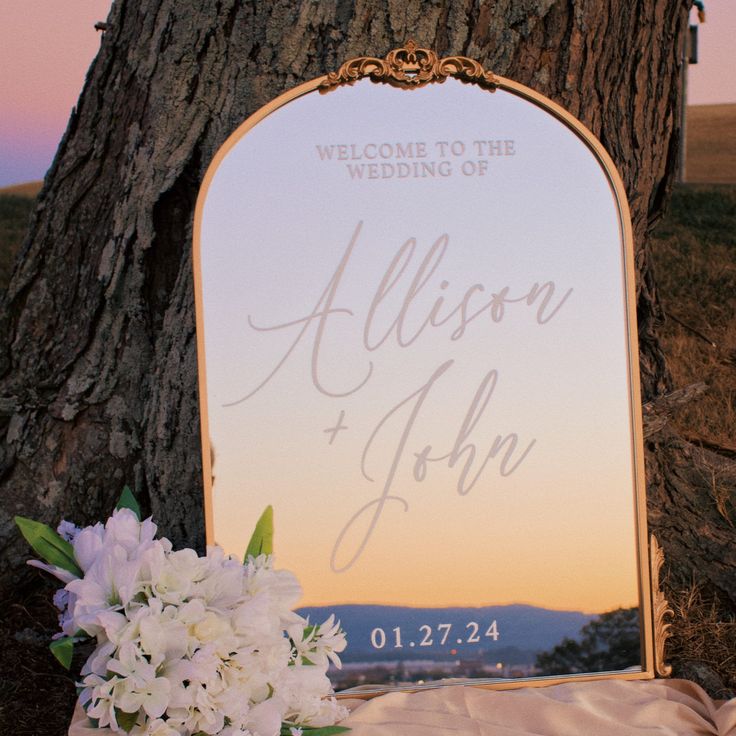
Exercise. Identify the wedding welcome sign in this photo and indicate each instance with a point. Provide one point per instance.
(417, 342)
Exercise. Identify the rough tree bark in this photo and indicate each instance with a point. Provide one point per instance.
(98, 363)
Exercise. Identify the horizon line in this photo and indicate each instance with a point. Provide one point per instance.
(488, 605)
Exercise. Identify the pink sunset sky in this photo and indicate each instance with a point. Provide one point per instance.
(46, 47)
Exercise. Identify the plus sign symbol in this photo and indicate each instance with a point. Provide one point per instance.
(339, 426)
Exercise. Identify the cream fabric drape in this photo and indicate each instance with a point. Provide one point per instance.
(600, 708)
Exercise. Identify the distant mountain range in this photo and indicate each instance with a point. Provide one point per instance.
(378, 633)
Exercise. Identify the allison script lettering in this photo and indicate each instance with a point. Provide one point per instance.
(542, 298)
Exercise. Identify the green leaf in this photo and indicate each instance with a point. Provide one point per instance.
(126, 721)
(127, 501)
(48, 545)
(261, 543)
(63, 649)
(286, 727)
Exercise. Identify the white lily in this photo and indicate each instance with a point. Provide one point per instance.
(139, 687)
(163, 637)
(124, 528)
(88, 544)
(109, 584)
(99, 693)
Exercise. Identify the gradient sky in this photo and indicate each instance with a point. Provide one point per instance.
(46, 47)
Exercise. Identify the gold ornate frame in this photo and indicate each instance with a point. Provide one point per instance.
(411, 67)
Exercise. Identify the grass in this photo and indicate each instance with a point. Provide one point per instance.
(711, 144)
(16, 206)
(704, 633)
(29, 190)
(694, 251)
(15, 212)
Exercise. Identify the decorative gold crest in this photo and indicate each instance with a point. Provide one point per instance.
(410, 67)
(661, 609)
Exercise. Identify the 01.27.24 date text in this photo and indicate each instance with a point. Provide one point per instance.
(429, 638)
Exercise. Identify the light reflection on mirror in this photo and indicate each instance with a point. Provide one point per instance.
(415, 335)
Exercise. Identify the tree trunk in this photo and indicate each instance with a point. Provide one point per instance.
(98, 370)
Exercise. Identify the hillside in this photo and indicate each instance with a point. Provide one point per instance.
(29, 189)
(711, 144)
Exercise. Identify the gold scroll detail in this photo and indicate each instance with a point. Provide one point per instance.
(410, 67)
(660, 610)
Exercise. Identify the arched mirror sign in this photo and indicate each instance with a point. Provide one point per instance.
(417, 343)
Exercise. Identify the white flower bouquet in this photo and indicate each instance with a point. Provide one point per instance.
(187, 645)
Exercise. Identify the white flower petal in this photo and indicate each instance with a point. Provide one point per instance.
(265, 718)
(64, 575)
(87, 545)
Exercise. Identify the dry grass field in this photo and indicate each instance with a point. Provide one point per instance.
(711, 144)
(29, 189)
(694, 251)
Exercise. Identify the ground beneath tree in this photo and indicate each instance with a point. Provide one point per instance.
(36, 694)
